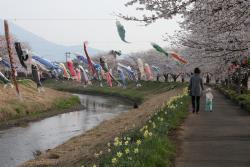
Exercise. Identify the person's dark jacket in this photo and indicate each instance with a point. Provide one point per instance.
(196, 85)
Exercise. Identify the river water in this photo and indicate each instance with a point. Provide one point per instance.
(19, 144)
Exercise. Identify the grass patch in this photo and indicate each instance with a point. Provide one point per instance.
(21, 110)
(26, 82)
(148, 146)
(66, 103)
(33, 105)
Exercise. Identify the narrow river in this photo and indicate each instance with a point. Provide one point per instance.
(19, 144)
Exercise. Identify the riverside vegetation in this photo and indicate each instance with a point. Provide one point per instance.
(150, 145)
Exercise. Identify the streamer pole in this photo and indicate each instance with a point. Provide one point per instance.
(13, 70)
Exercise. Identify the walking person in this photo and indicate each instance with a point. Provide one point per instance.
(209, 100)
(195, 89)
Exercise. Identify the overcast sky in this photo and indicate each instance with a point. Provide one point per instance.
(98, 24)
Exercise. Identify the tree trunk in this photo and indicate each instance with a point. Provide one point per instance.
(166, 77)
(175, 77)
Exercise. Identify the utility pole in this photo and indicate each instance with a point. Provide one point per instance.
(67, 55)
(13, 70)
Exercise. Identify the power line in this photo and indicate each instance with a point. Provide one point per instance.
(119, 42)
(61, 19)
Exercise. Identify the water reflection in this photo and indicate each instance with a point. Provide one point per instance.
(17, 145)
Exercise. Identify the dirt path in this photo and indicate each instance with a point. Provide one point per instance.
(217, 139)
(82, 147)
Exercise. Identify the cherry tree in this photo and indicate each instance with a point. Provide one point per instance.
(214, 32)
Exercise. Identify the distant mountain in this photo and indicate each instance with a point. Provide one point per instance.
(43, 47)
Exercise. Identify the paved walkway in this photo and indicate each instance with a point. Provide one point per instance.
(217, 139)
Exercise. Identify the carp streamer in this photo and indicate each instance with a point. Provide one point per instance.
(173, 55)
(159, 49)
(91, 67)
(121, 31)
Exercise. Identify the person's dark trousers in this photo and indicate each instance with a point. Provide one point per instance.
(196, 103)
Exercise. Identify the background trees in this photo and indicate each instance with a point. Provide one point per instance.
(215, 33)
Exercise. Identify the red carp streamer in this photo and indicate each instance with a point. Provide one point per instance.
(179, 58)
(91, 66)
(71, 68)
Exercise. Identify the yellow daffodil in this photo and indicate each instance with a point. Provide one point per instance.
(150, 134)
(126, 143)
(138, 142)
(144, 128)
(136, 150)
(116, 143)
(145, 134)
(114, 160)
(94, 165)
(127, 151)
(108, 144)
(119, 154)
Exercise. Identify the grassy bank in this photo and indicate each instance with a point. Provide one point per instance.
(148, 146)
(242, 99)
(32, 105)
(66, 103)
(132, 92)
(81, 149)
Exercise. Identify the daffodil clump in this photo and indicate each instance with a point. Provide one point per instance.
(149, 145)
